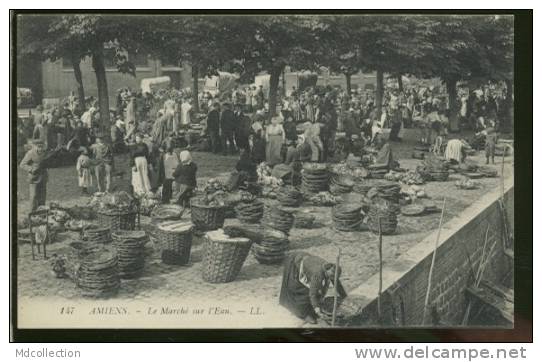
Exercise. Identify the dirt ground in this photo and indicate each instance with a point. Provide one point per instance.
(359, 250)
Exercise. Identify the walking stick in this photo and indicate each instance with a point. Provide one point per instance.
(433, 263)
(380, 272)
(335, 281)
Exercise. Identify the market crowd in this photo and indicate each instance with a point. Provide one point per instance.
(318, 124)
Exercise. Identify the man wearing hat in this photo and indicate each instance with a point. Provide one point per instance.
(103, 160)
(36, 161)
(227, 126)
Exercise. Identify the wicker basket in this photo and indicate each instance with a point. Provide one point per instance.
(173, 240)
(98, 235)
(223, 256)
(207, 217)
(167, 212)
(117, 220)
(130, 248)
(98, 274)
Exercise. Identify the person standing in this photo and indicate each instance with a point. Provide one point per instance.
(131, 122)
(186, 110)
(260, 98)
(491, 140)
(227, 126)
(242, 128)
(36, 162)
(170, 161)
(83, 171)
(185, 177)
(117, 136)
(139, 161)
(213, 128)
(103, 161)
(248, 100)
(275, 137)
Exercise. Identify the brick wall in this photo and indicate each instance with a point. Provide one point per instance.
(462, 244)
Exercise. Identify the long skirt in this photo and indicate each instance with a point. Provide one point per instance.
(85, 178)
(293, 294)
(140, 178)
(272, 151)
(316, 146)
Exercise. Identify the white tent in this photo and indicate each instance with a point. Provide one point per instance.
(148, 84)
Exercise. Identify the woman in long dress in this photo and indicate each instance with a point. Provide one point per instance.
(275, 137)
(305, 282)
(83, 171)
(139, 156)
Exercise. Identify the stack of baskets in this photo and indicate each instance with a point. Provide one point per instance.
(173, 240)
(271, 249)
(290, 196)
(223, 256)
(385, 213)
(304, 219)
(207, 217)
(76, 251)
(387, 190)
(98, 274)
(130, 252)
(121, 219)
(362, 187)
(341, 184)
(315, 177)
(279, 219)
(250, 212)
(347, 217)
(97, 235)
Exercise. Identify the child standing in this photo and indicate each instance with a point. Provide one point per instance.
(491, 140)
(83, 171)
(185, 176)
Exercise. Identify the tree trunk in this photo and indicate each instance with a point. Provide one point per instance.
(509, 104)
(195, 91)
(273, 88)
(101, 81)
(76, 64)
(400, 82)
(379, 92)
(452, 104)
(348, 83)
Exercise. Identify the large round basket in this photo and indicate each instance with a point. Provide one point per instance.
(223, 256)
(117, 220)
(207, 217)
(167, 212)
(96, 234)
(173, 240)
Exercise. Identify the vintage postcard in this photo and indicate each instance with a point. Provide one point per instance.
(263, 171)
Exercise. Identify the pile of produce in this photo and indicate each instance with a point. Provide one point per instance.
(265, 178)
(342, 184)
(147, 203)
(271, 248)
(386, 190)
(304, 219)
(278, 218)
(434, 168)
(324, 199)
(413, 192)
(378, 173)
(82, 213)
(249, 212)
(98, 274)
(120, 202)
(290, 196)
(385, 212)
(466, 184)
(213, 185)
(410, 177)
(347, 217)
(270, 192)
(315, 177)
(348, 169)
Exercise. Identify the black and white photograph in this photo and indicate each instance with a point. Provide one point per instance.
(266, 170)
